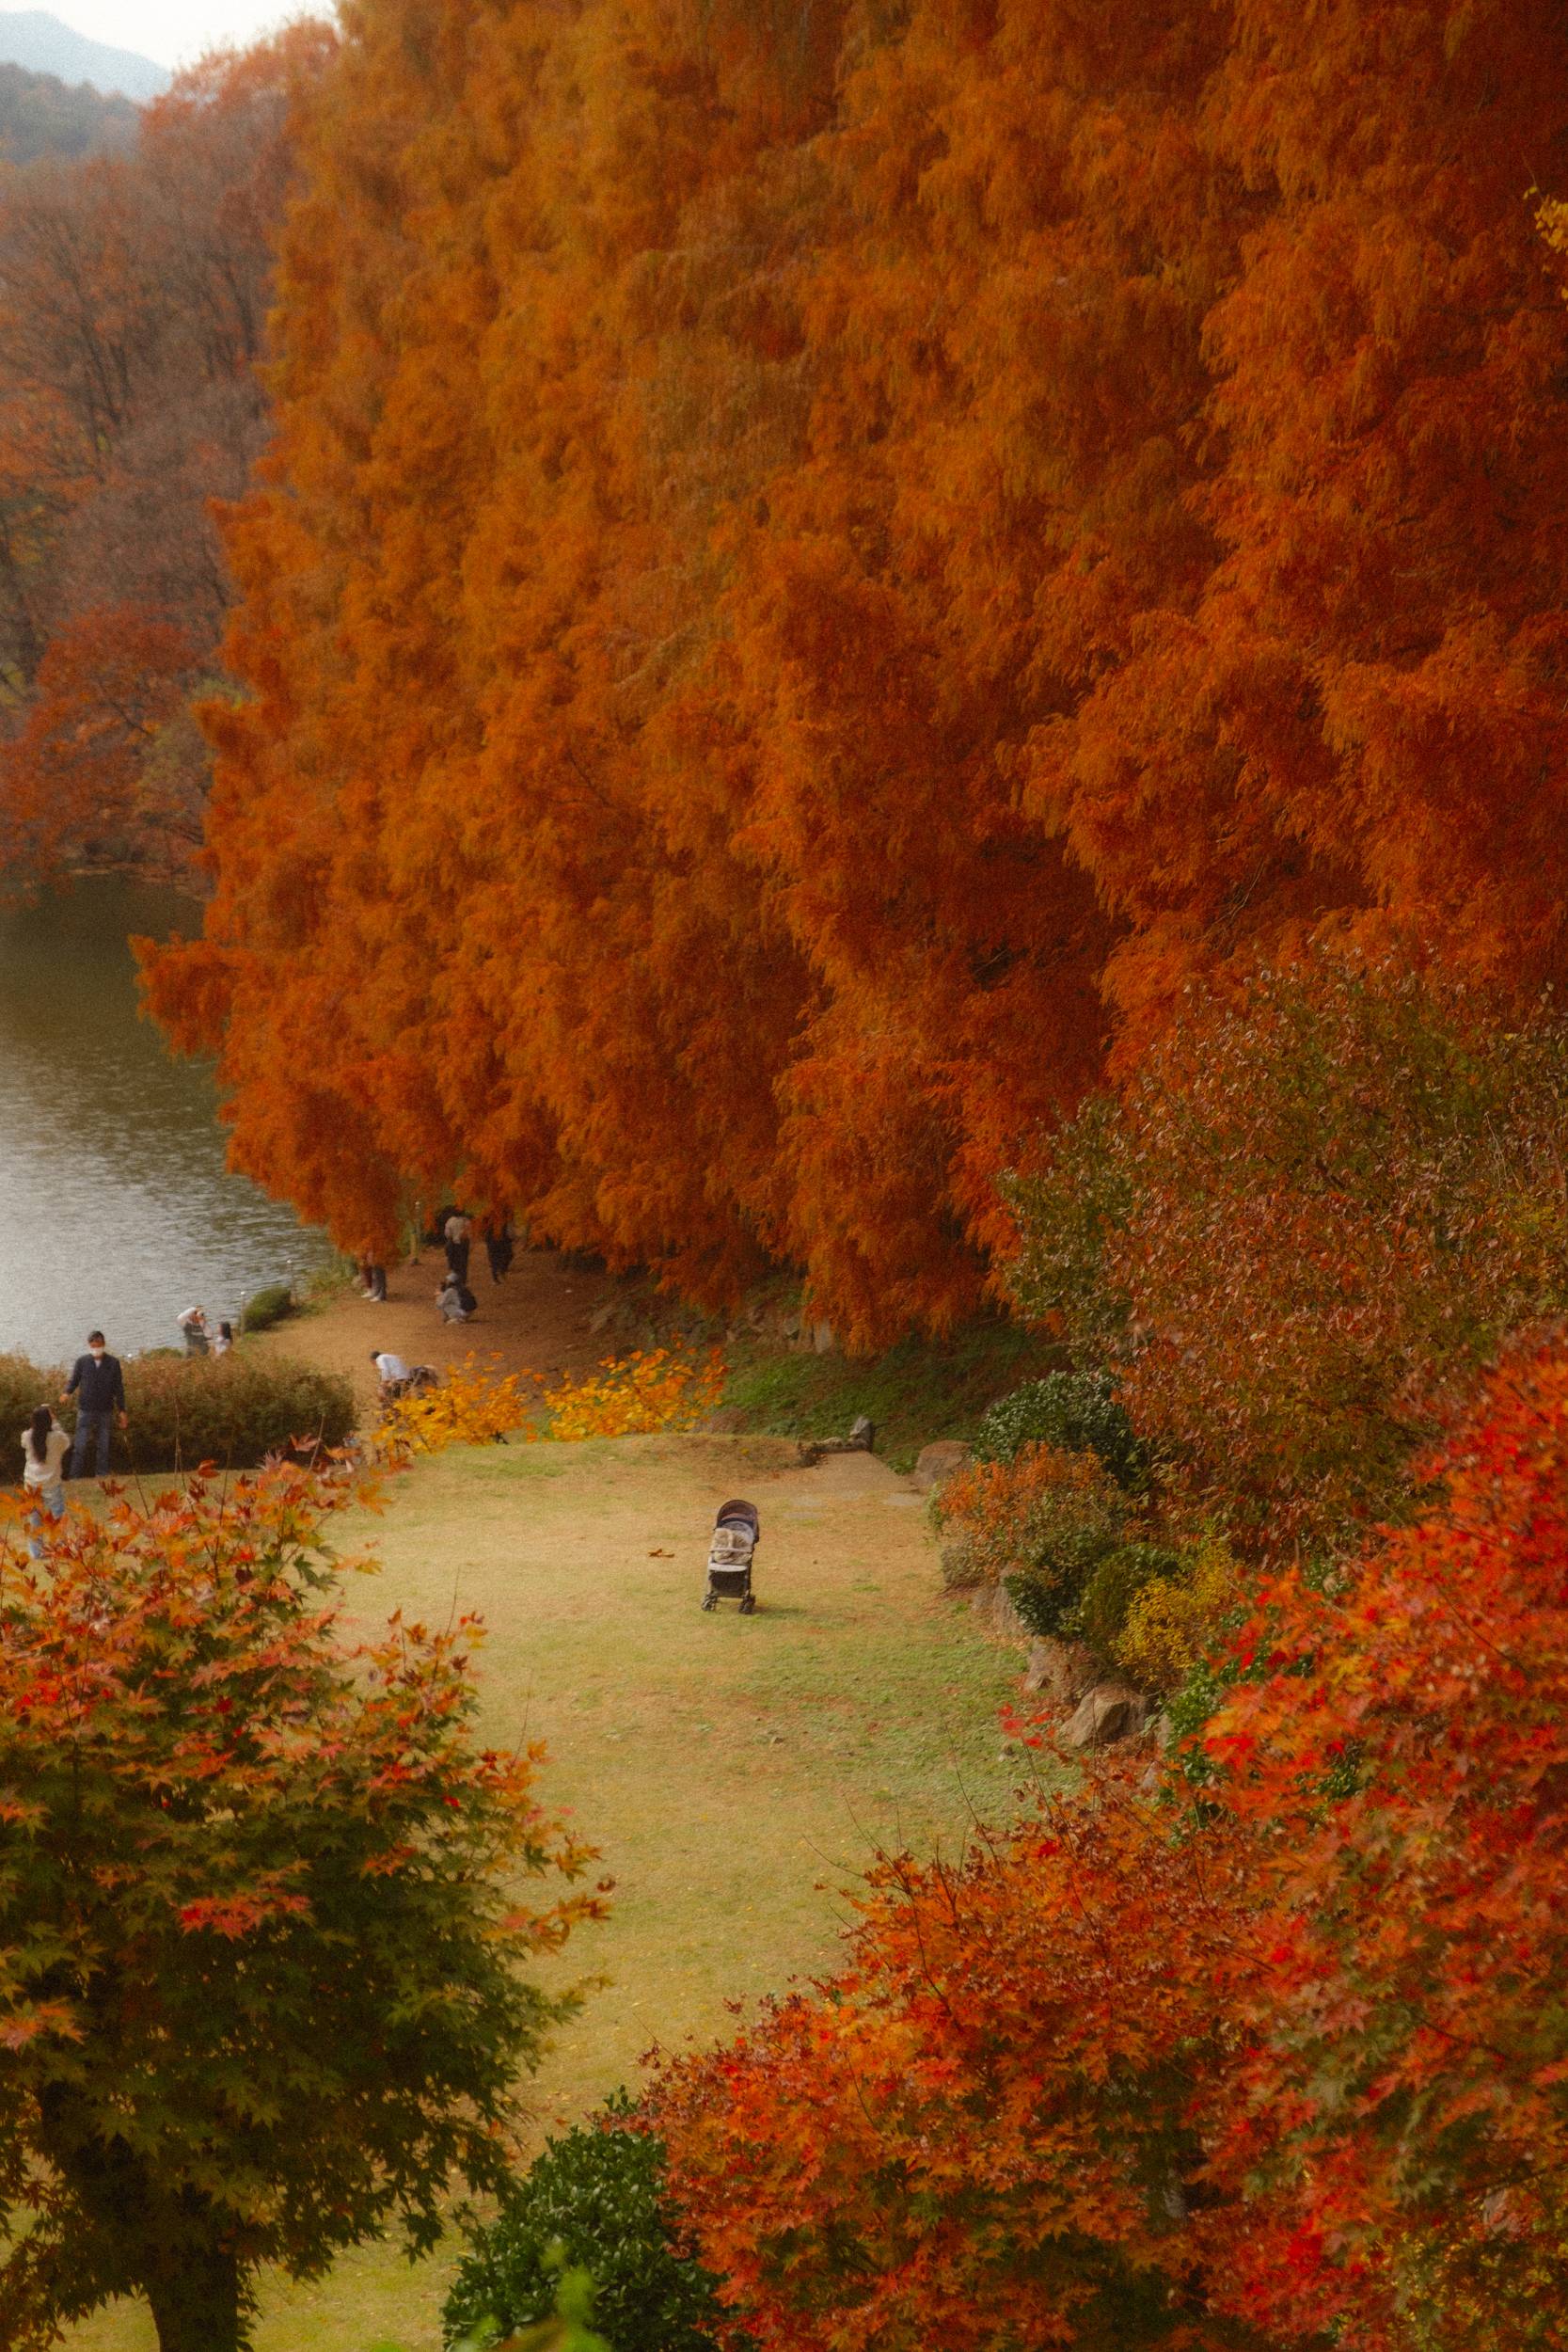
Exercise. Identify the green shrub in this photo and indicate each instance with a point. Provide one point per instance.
(266, 1307)
(23, 1387)
(1040, 1523)
(1077, 1412)
(1047, 1595)
(594, 2200)
(232, 1409)
(235, 1410)
(1115, 1584)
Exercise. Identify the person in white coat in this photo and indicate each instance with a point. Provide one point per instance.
(44, 1445)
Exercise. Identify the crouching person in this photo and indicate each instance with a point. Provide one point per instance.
(455, 1299)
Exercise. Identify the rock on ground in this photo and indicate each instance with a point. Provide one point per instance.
(937, 1463)
(1062, 1672)
(1111, 1711)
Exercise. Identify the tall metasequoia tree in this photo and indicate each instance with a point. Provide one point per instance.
(1362, 718)
(815, 569)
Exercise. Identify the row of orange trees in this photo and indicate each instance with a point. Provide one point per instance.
(816, 569)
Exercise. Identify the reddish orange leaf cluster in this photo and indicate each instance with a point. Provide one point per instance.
(981, 2136)
(1404, 1770)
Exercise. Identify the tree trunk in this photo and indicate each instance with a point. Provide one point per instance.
(194, 2293)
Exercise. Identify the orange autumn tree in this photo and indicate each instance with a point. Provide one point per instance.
(985, 2130)
(77, 779)
(812, 570)
(1360, 716)
(134, 294)
(1302, 1228)
(268, 1903)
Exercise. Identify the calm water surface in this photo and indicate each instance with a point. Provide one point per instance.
(115, 1206)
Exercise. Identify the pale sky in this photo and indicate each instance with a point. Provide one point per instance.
(175, 32)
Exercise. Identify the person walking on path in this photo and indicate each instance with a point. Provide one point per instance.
(98, 1384)
(458, 1233)
(43, 1452)
(498, 1247)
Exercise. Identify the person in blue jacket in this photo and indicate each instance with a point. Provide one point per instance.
(98, 1384)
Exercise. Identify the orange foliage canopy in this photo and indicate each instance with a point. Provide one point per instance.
(983, 2136)
(814, 571)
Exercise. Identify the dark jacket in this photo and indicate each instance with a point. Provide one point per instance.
(98, 1388)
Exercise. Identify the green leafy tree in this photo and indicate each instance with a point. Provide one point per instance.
(259, 1914)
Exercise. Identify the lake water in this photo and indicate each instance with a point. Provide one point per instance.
(115, 1206)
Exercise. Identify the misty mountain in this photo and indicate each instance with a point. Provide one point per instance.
(41, 44)
(41, 116)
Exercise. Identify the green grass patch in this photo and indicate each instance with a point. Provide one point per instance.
(919, 1391)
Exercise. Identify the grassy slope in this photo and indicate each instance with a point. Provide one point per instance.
(735, 1772)
(920, 1389)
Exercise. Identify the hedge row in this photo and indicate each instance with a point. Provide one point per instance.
(231, 1409)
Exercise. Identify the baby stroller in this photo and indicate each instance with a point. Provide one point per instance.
(737, 1532)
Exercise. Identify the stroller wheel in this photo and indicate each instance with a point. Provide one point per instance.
(749, 1606)
(708, 1602)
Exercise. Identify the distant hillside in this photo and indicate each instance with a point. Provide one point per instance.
(40, 116)
(44, 45)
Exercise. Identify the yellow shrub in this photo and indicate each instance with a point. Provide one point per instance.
(631, 1395)
(471, 1406)
(1174, 1621)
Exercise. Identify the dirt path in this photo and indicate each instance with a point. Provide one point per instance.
(538, 1319)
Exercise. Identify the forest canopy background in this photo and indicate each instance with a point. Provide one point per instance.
(815, 570)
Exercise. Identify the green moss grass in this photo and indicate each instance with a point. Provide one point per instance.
(919, 1391)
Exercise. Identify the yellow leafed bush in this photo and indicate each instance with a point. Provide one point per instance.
(1174, 1621)
(472, 1406)
(631, 1396)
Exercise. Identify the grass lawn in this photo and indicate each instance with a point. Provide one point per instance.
(735, 1772)
(920, 1389)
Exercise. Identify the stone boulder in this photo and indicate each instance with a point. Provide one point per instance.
(1111, 1711)
(1061, 1671)
(937, 1463)
(993, 1605)
(957, 1556)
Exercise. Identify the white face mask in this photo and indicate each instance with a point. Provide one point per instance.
(98, 1354)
